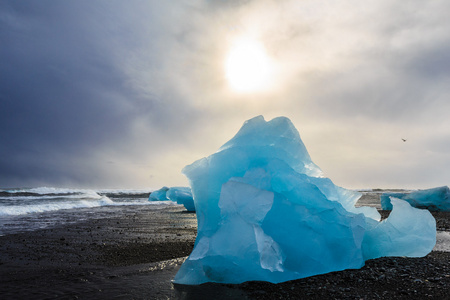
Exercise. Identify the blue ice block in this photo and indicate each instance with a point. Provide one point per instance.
(265, 212)
(435, 199)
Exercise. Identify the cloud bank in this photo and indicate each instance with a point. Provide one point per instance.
(115, 94)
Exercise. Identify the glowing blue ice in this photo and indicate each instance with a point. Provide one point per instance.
(407, 232)
(435, 199)
(265, 213)
(159, 195)
(180, 195)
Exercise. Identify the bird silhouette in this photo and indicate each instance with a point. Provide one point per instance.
(404, 140)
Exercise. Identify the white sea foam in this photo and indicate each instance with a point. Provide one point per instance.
(14, 202)
(125, 191)
(52, 206)
(14, 210)
(50, 197)
(51, 190)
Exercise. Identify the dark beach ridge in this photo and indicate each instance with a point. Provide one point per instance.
(134, 253)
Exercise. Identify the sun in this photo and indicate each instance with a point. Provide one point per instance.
(248, 67)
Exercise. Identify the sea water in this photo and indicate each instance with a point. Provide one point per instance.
(26, 209)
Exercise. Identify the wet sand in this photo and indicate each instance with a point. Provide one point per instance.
(136, 253)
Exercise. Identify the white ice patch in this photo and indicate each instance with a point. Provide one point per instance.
(271, 254)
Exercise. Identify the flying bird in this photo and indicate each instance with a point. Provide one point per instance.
(404, 140)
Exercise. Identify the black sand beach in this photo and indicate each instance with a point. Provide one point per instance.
(134, 254)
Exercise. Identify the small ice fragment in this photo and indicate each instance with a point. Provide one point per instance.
(182, 195)
(159, 195)
(435, 199)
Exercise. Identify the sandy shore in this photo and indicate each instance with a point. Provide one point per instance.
(135, 254)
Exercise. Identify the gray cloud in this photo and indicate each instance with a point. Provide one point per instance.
(62, 94)
(117, 94)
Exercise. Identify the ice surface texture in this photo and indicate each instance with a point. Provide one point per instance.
(265, 212)
(180, 195)
(159, 195)
(435, 199)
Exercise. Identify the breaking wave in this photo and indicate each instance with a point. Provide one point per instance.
(43, 199)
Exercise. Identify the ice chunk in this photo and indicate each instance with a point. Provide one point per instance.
(385, 199)
(435, 199)
(265, 212)
(182, 195)
(408, 231)
(159, 195)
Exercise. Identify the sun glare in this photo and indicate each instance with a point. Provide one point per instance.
(248, 66)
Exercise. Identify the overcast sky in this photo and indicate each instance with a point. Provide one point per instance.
(124, 94)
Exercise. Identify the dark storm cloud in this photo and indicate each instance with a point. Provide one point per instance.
(62, 92)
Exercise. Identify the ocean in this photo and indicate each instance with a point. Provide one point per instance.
(27, 209)
(22, 201)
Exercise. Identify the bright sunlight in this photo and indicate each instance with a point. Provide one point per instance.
(248, 68)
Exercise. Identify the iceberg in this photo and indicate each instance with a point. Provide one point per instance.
(435, 199)
(180, 195)
(407, 231)
(265, 212)
(159, 195)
